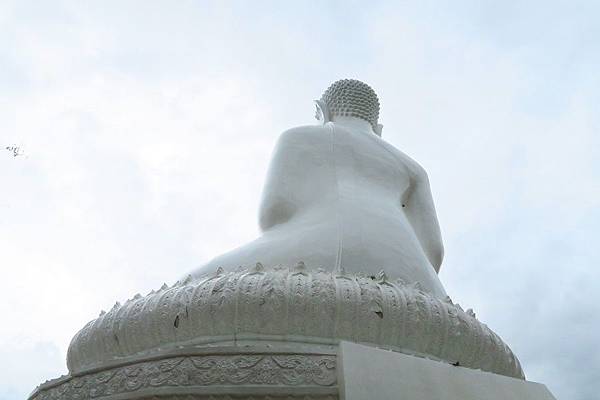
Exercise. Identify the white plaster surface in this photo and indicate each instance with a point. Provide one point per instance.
(370, 373)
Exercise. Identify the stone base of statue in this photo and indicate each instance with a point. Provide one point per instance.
(287, 332)
(282, 371)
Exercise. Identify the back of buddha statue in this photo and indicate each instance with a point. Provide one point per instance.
(339, 205)
(348, 189)
(338, 197)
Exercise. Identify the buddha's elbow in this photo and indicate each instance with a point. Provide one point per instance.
(436, 257)
(274, 213)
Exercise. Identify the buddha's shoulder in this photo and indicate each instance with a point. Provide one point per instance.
(305, 133)
(413, 167)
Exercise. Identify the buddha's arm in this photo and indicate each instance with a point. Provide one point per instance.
(289, 183)
(420, 212)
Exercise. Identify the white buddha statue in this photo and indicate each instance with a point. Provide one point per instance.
(339, 205)
(339, 197)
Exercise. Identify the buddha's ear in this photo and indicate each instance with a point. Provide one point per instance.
(322, 112)
(378, 130)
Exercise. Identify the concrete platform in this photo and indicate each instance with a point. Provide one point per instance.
(369, 373)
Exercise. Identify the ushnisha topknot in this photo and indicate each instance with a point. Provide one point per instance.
(352, 98)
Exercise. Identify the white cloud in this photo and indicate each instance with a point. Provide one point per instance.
(147, 131)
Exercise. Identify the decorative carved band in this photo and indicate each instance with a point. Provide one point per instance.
(191, 372)
(242, 397)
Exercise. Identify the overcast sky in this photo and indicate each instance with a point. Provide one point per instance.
(144, 130)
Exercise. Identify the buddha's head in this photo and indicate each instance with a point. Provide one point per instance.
(349, 98)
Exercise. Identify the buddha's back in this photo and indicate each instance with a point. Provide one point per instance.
(336, 197)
